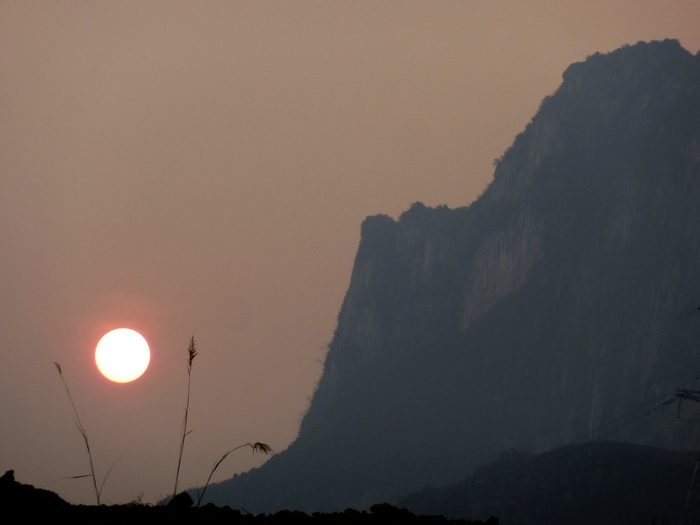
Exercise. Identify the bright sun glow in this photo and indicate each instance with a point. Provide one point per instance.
(122, 355)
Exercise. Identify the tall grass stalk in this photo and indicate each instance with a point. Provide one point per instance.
(257, 447)
(191, 354)
(81, 428)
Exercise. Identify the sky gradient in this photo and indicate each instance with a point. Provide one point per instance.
(190, 168)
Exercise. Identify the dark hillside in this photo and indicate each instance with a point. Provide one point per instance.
(553, 305)
(603, 483)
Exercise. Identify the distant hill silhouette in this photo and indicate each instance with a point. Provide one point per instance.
(560, 305)
(603, 483)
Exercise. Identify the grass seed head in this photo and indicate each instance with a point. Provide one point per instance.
(261, 447)
(191, 352)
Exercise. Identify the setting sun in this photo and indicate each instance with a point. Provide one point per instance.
(122, 355)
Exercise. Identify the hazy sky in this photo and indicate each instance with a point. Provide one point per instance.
(203, 168)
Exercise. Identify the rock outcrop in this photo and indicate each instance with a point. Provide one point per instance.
(18, 499)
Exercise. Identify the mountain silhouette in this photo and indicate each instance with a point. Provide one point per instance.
(550, 310)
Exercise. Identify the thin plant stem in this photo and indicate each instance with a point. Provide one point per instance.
(81, 428)
(257, 447)
(191, 354)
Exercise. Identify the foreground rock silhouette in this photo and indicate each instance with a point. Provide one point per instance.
(22, 503)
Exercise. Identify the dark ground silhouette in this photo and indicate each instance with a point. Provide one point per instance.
(23, 503)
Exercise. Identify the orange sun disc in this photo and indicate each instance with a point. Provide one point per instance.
(122, 355)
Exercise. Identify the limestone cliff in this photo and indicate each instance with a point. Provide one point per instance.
(551, 306)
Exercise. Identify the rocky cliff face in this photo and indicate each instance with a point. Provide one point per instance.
(551, 306)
